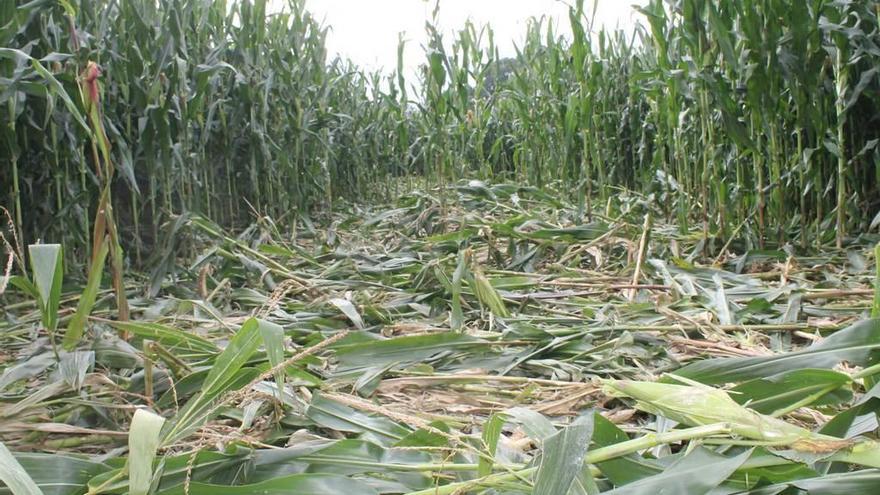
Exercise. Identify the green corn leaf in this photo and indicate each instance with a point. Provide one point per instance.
(697, 473)
(25, 286)
(789, 389)
(77, 325)
(310, 483)
(143, 440)
(625, 469)
(55, 86)
(399, 350)
(490, 436)
(350, 311)
(172, 338)
(425, 437)
(48, 272)
(859, 418)
(535, 424)
(855, 345)
(175, 470)
(331, 414)
(719, 300)
(225, 376)
(351, 456)
(273, 340)
(59, 474)
(562, 457)
(14, 476)
(864, 481)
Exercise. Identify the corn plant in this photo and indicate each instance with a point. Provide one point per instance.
(756, 115)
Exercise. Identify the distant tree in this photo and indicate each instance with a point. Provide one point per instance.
(500, 74)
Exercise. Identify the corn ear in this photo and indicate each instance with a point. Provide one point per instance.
(699, 406)
(696, 405)
(488, 295)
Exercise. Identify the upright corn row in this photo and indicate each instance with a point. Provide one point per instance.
(760, 114)
(757, 118)
(219, 108)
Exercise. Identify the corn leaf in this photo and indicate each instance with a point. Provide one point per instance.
(782, 391)
(143, 440)
(14, 476)
(77, 325)
(491, 433)
(562, 457)
(697, 473)
(225, 376)
(350, 311)
(864, 481)
(46, 265)
(170, 337)
(855, 345)
(310, 483)
(273, 340)
(331, 414)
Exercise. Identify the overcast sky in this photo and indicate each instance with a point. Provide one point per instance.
(366, 31)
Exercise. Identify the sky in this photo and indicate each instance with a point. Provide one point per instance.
(366, 31)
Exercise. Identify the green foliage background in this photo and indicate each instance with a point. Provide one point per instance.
(756, 118)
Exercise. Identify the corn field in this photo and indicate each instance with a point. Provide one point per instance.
(608, 263)
(758, 119)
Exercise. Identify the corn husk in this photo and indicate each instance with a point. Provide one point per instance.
(487, 295)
